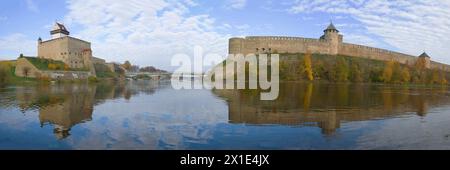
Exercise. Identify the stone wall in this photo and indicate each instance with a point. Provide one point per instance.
(274, 44)
(264, 44)
(375, 53)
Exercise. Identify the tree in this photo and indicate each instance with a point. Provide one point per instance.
(127, 65)
(52, 66)
(406, 77)
(356, 74)
(308, 66)
(3, 75)
(387, 72)
(443, 77)
(342, 70)
(26, 71)
(134, 68)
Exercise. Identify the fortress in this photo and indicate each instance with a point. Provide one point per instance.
(330, 43)
(73, 54)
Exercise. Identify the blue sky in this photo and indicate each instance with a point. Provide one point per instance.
(150, 32)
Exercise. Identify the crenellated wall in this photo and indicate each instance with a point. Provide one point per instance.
(375, 53)
(277, 44)
(264, 44)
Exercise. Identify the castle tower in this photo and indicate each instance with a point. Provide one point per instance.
(235, 46)
(426, 58)
(58, 31)
(331, 34)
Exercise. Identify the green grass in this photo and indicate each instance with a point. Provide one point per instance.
(8, 76)
(103, 71)
(42, 64)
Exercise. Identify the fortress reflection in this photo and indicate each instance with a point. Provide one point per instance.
(328, 105)
(66, 105)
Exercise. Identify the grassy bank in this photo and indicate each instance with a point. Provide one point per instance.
(8, 77)
(7, 74)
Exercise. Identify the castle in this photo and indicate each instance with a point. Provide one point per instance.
(74, 52)
(331, 43)
(71, 57)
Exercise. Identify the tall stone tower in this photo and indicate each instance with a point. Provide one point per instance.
(425, 59)
(331, 34)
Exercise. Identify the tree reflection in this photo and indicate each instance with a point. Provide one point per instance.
(66, 105)
(328, 105)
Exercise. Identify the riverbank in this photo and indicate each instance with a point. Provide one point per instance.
(8, 77)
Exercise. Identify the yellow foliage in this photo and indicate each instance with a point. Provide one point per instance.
(308, 66)
(421, 63)
(52, 66)
(388, 70)
(406, 77)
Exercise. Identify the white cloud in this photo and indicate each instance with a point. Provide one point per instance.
(31, 5)
(236, 4)
(146, 32)
(410, 26)
(17, 43)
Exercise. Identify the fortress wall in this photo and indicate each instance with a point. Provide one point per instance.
(375, 53)
(52, 49)
(436, 65)
(277, 44)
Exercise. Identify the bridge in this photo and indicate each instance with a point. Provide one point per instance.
(149, 75)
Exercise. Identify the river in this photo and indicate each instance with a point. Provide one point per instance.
(152, 115)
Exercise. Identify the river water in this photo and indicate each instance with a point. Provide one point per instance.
(153, 115)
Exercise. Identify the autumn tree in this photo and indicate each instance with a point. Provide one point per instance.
(3, 74)
(51, 66)
(342, 70)
(308, 66)
(387, 72)
(406, 77)
(443, 77)
(127, 65)
(356, 74)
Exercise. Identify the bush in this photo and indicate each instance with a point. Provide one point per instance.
(5, 71)
(92, 79)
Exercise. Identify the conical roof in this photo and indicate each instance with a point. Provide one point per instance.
(331, 27)
(424, 54)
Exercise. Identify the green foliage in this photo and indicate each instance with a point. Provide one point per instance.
(46, 64)
(103, 71)
(92, 79)
(4, 73)
(342, 69)
(297, 67)
(308, 66)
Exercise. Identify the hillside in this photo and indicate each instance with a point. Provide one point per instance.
(339, 68)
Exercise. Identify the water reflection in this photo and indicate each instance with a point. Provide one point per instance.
(152, 115)
(328, 105)
(63, 106)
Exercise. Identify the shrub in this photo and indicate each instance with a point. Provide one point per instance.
(92, 79)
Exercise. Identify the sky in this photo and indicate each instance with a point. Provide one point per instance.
(150, 32)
